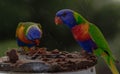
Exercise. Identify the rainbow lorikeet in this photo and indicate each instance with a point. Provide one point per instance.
(28, 35)
(88, 36)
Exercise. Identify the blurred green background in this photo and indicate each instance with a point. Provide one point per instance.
(104, 13)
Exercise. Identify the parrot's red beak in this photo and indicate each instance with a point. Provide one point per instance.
(58, 20)
(37, 42)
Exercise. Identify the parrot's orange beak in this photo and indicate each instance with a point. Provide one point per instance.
(37, 42)
(58, 20)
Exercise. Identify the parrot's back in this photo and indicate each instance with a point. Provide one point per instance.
(28, 34)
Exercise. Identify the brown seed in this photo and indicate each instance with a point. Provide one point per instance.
(13, 56)
(45, 59)
(55, 51)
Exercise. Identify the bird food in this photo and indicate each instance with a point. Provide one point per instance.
(46, 61)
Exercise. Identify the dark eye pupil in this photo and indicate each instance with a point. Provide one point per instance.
(64, 14)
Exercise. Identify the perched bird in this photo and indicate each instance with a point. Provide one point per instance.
(28, 35)
(88, 36)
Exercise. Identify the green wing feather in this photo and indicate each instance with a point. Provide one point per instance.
(97, 36)
(27, 25)
(31, 24)
(99, 39)
(103, 48)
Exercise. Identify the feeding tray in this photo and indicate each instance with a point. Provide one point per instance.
(43, 61)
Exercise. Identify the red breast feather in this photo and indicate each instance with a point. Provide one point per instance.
(80, 32)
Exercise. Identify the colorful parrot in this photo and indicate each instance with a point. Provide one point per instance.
(28, 35)
(88, 36)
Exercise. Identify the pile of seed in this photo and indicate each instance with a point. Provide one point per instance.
(49, 61)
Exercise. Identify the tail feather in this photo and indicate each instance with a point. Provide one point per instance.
(111, 64)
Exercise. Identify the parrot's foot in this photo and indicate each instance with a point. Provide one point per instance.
(84, 53)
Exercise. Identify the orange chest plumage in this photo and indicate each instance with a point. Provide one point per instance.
(81, 32)
(21, 35)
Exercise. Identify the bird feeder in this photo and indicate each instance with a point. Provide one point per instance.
(44, 62)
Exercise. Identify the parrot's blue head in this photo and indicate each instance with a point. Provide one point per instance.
(65, 16)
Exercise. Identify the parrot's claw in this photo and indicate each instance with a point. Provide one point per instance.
(84, 53)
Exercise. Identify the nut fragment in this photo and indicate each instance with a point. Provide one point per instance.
(55, 51)
(13, 56)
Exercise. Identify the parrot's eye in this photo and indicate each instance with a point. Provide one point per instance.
(64, 14)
